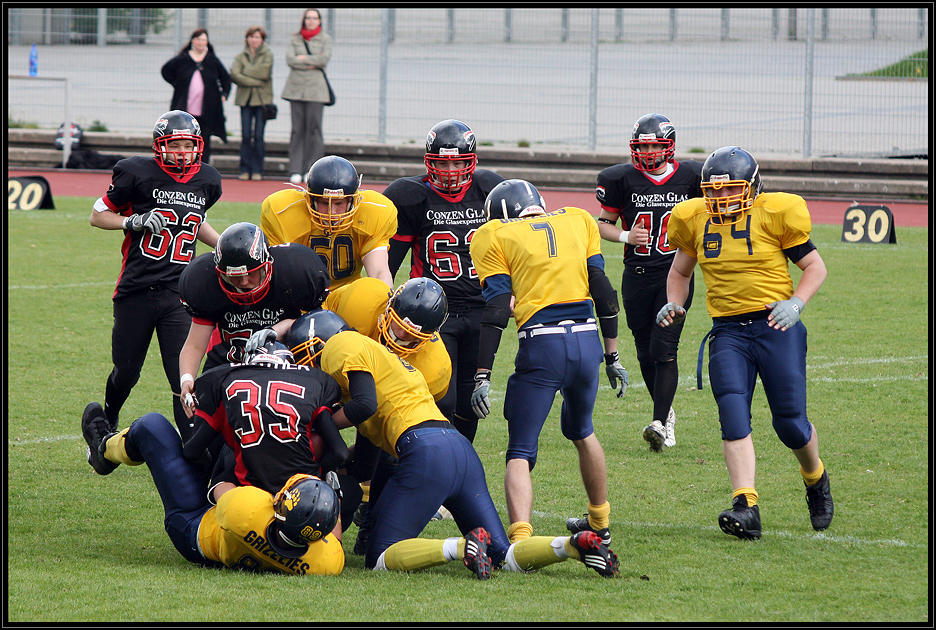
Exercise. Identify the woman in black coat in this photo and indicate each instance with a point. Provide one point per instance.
(201, 85)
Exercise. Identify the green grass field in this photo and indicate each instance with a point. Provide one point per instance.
(84, 548)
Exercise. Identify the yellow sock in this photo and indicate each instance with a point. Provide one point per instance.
(417, 553)
(366, 489)
(115, 449)
(519, 531)
(813, 478)
(750, 493)
(598, 515)
(539, 551)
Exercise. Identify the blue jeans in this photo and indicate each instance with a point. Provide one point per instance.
(252, 146)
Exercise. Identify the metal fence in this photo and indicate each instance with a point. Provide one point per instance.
(787, 81)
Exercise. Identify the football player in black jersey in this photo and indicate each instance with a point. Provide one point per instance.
(240, 288)
(642, 194)
(160, 204)
(437, 214)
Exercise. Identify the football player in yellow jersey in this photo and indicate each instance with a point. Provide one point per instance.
(743, 239)
(348, 227)
(552, 264)
(388, 401)
(297, 532)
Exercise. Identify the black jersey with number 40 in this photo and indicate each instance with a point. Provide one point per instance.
(441, 230)
(637, 198)
(139, 185)
(268, 416)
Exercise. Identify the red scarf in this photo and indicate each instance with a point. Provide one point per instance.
(307, 34)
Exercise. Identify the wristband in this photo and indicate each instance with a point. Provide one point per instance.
(186, 378)
(125, 223)
(623, 236)
(611, 357)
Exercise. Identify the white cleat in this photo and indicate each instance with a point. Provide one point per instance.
(670, 429)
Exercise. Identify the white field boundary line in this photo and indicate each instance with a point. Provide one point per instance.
(43, 287)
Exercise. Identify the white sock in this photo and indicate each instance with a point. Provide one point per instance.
(450, 549)
(558, 545)
(381, 563)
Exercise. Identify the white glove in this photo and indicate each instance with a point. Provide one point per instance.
(679, 314)
(260, 338)
(153, 221)
(480, 401)
(616, 372)
(785, 314)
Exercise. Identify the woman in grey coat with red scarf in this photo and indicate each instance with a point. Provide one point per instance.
(201, 84)
(307, 92)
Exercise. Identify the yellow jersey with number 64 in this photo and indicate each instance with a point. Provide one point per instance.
(743, 265)
(403, 398)
(361, 302)
(545, 256)
(285, 218)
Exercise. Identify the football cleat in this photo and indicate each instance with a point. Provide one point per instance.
(670, 429)
(594, 554)
(741, 521)
(96, 430)
(819, 501)
(576, 525)
(655, 435)
(476, 559)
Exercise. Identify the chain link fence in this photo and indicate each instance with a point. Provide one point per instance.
(792, 81)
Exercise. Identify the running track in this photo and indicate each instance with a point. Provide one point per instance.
(95, 183)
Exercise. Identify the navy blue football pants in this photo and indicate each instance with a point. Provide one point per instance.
(180, 483)
(565, 362)
(739, 352)
(438, 466)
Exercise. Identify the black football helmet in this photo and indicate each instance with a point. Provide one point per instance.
(420, 308)
(305, 510)
(178, 125)
(242, 249)
(652, 129)
(332, 179)
(308, 334)
(273, 354)
(448, 141)
(730, 166)
(512, 199)
(76, 135)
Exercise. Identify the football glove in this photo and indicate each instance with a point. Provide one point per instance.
(616, 372)
(260, 338)
(153, 221)
(331, 478)
(786, 313)
(679, 314)
(480, 401)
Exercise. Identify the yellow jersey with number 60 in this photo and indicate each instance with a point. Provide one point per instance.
(403, 398)
(743, 265)
(545, 256)
(361, 302)
(285, 218)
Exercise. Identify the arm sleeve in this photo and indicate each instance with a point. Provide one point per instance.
(363, 403)
(397, 254)
(606, 301)
(494, 319)
(336, 451)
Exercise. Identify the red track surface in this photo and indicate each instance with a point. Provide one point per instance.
(95, 183)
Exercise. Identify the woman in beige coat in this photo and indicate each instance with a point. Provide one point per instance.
(252, 72)
(307, 92)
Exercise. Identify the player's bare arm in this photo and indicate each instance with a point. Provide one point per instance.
(193, 351)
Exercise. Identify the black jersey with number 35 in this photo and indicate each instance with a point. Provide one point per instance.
(139, 185)
(637, 198)
(440, 231)
(268, 416)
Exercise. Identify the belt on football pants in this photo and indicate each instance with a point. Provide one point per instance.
(561, 327)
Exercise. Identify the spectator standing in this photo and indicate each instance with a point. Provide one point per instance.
(252, 72)
(201, 86)
(307, 92)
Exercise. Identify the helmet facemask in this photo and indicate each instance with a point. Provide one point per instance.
(246, 296)
(391, 340)
(450, 182)
(730, 209)
(651, 160)
(175, 161)
(328, 220)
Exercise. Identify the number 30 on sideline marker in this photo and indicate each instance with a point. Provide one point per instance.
(868, 224)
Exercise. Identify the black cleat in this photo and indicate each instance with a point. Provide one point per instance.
(576, 525)
(741, 521)
(819, 501)
(596, 555)
(476, 559)
(96, 429)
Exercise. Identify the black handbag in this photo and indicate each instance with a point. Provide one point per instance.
(331, 92)
(270, 111)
